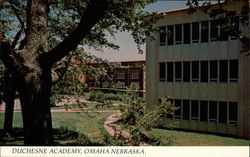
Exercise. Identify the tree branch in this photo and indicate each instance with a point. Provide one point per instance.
(95, 11)
(16, 38)
(16, 13)
(60, 69)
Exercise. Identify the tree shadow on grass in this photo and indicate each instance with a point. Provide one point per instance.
(62, 137)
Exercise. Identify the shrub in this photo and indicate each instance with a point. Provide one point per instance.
(140, 121)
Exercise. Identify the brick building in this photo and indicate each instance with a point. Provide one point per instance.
(126, 74)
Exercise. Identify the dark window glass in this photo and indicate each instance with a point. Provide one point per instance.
(178, 71)
(162, 36)
(223, 71)
(195, 32)
(204, 71)
(203, 111)
(235, 24)
(214, 32)
(204, 31)
(187, 33)
(194, 109)
(222, 112)
(170, 72)
(213, 111)
(233, 112)
(177, 113)
(170, 35)
(186, 71)
(178, 34)
(186, 109)
(195, 71)
(223, 34)
(233, 70)
(170, 115)
(162, 70)
(213, 71)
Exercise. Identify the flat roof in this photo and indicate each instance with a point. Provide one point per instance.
(187, 8)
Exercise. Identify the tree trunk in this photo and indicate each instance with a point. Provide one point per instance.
(35, 77)
(8, 119)
(35, 89)
(8, 88)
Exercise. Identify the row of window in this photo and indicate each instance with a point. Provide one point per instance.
(206, 111)
(196, 32)
(121, 84)
(199, 71)
(133, 75)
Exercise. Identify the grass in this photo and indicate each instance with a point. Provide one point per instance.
(82, 123)
(183, 138)
(81, 128)
(89, 124)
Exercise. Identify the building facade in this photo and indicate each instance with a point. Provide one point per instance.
(201, 68)
(127, 74)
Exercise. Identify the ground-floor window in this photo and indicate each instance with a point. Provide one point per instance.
(206, 111)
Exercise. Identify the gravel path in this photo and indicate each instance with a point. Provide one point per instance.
(115, 129)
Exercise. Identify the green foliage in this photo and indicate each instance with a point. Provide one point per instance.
(53, 100)
(140, 121)
(109, 140)
(70, 84)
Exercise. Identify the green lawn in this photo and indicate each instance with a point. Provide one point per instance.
(89, 124)
(182, 138)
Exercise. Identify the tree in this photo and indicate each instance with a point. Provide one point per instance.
(7, 95)
(38, 45)
(43, 32)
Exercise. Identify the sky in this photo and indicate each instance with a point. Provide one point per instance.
(128, 50)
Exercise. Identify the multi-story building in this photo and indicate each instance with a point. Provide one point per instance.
(126, 74)
(202, 70)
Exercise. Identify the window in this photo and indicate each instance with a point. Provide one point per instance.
(186, 71)
(162, 72)
(170, 115)
(105, 84)
(162, 36)
(203, 111)
(195, 32)
(233, 70)
(178, 72)
(223, 34)
(233, 112)
(204, 31)
(121, 84)
(187, 33)
(170, 72)
(213, 71)
(235, 23)
(223, 71)
(121, 76)
(194, 109)
(178, 34)
(177, 113)
(222, 112)
(134, 75)
(135, 85)
(212, 111)
(204, 71)
(195, 71)
(214, 32)
(186, 109)
(170, 35)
